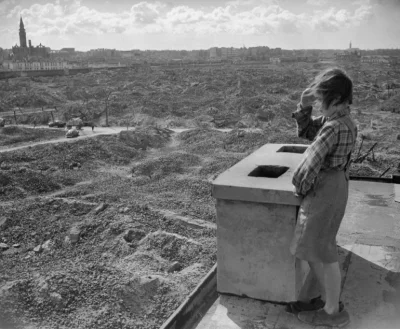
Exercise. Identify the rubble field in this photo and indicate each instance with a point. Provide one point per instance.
(116, 231)
(11, 136)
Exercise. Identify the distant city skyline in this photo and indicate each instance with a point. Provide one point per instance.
(179, 24)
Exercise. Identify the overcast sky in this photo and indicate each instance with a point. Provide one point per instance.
(201, 24)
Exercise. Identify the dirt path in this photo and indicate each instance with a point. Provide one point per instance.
(82, 134)
(88, 133)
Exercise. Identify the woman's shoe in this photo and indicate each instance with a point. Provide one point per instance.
(296, 307)
(314, 304)
(321, 318)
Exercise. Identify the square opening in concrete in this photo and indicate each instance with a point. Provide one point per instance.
(268, 171)
(292, 149)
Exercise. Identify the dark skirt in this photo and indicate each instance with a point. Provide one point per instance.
(319, 218)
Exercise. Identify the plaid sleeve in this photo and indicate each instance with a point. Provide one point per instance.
(307, 125)
(308, 169)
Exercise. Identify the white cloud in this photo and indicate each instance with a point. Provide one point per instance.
(395, 3)
(146, 13)
(14, 12)
(334, 19)
(361, 2)
(317, 2)
(245, 3)
(259, 18)
(364, 13)
(278, 18)
(8, 31)
(184, 15)
(5, 6)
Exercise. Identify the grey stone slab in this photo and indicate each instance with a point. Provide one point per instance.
(253, 250)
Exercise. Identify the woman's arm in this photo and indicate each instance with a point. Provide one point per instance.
(307, 125)
(308, 169)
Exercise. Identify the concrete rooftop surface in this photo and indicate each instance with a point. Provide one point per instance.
(369, 249)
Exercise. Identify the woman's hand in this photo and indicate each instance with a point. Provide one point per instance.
(307, 98)
(295, 192)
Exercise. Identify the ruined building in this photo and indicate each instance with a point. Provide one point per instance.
(27, 52)
(351, 54)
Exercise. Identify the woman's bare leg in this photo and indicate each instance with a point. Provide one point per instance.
(318, 270)
(313, 284)
(310, 289)
(332, 280)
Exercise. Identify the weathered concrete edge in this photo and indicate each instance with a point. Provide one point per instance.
(254, 195)
(198, 302)
(394, 179)
(284, 197)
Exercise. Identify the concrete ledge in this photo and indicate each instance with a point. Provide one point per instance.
(391, 180)
(397, 192)
(255, 195)
(265, 176)
(191, 311)
(247, 193)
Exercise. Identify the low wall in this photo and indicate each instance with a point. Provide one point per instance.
(41, 73)
(9, 74)
(76, 71)
(108, 68)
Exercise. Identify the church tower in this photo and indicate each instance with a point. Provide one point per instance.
(22, 34)
(350, 45)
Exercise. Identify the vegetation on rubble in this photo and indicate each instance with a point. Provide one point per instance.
(115, 231)
(392, 104)
(14, 135)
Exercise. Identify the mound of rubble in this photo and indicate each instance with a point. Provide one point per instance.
(14, 135)
(115, 231)
(392, 104)
(48, 168)
(145, 137)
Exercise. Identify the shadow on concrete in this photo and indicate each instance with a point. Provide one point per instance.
(370, 292)
(371, 286)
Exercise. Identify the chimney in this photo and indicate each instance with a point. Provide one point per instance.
(30, 44)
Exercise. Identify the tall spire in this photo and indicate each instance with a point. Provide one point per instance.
(22, 33)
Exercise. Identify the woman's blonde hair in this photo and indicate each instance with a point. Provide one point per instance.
(333, 84)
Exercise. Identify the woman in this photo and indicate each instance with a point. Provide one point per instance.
(322, 179)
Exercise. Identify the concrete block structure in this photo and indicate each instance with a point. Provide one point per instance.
(256, 217)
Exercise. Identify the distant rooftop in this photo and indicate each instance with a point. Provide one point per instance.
(68, 49)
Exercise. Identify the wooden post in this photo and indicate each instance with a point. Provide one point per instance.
(52, 115)
(15, 117)
(107, 114)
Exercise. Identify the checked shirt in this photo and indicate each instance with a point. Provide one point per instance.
(332, 143)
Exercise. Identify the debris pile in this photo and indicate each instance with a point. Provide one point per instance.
(14, 135)
(392, 104)
(115, 231)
